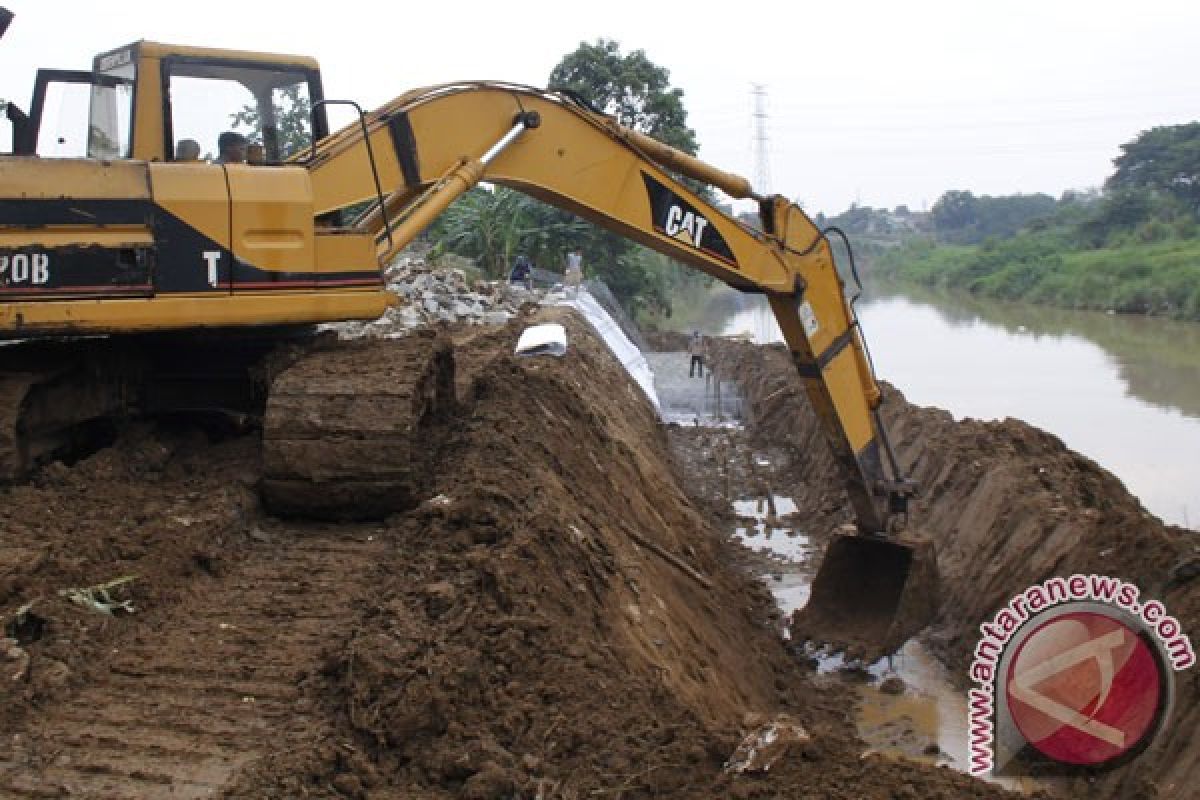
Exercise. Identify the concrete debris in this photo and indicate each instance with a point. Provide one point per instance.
(430, 295)
(438, 501)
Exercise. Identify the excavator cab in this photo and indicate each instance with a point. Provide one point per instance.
(180, 269)
(143, 100)
(119, 191)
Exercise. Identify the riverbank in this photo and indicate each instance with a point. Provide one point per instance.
(1007, 506)
(1156, 278)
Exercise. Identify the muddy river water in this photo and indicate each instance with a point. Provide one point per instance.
(926, 719)
(1123, 390)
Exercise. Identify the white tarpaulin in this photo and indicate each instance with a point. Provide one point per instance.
(549, 339)
(626, 351)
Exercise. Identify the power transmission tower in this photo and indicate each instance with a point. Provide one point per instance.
(762, 156)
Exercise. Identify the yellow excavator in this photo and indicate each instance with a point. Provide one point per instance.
(139, 277)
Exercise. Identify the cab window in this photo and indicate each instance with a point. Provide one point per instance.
(269, 107)
(84, 114)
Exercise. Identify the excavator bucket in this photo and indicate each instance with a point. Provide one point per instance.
(870, 595)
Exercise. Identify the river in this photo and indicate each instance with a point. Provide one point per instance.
(1122, 390)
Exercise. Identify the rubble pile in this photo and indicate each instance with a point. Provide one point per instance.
(430, 295)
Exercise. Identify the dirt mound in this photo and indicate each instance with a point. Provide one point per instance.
(558, 622)
(665, 341)
(1008, 506)
(554, 620)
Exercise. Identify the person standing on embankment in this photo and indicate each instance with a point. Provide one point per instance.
(696, 351)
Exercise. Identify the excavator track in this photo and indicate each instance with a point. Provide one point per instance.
(14, 459)
(350, 429)
(49, 392)
(56, 395)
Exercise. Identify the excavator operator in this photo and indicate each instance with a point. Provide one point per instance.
(231, 148)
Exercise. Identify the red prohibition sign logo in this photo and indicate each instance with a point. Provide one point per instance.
(1085, 688)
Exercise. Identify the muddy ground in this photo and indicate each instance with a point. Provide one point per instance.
(1008, 506)
(557, 619)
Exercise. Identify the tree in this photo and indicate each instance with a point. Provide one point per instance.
(1008, 214)
(959, 216)
(493, 226)
(293, 120)
(483, 225)
(630, 87)
(1120, 210)
(954, 210)
(1166, 158)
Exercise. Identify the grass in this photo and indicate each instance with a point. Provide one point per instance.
(1161, 277)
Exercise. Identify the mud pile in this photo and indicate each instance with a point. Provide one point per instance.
(1008, 505)
(556, 620)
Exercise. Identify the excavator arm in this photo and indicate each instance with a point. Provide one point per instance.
(874, 589)
(435, 144)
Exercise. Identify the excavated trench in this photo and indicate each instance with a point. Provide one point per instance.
(562, 616)
(906, 706)
(1008, 506)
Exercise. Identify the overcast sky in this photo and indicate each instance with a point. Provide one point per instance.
(880, 103)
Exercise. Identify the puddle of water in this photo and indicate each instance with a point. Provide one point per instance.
(791, 583)
(927, 720)
(769, 535)
(691, 419)
(785, 545)
(924, 721)
(791, 591)
(761, 506)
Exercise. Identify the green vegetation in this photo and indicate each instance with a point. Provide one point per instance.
(1133, 248)
(630, 87)
(292, 121)
(1154, 278)
(494, 225)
